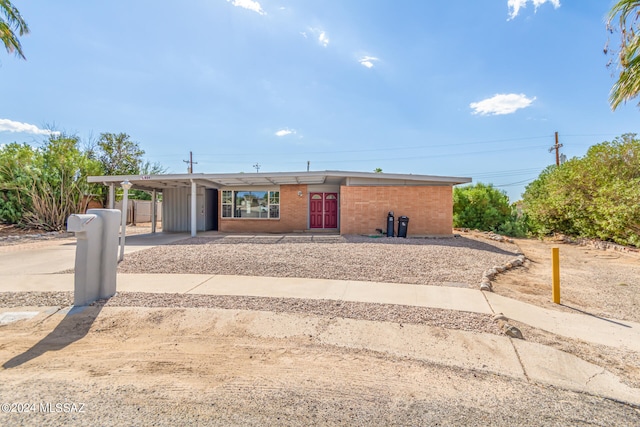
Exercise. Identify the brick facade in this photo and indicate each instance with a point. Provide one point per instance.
(429, 208)
(362, 210)
(293, 215)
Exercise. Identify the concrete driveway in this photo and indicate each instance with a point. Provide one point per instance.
(53, 256)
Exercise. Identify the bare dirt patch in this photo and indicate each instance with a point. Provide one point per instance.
(7, 230)
(601, 282)
(14, 235)
(165, 367)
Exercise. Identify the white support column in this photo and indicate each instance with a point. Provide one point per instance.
(112, 196)
(194, 213)
(126, 185)
(154, 211)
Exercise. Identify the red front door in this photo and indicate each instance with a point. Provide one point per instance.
(323, 210)
(315, 210)
(330, 210)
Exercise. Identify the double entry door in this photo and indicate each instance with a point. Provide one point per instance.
(323, 210)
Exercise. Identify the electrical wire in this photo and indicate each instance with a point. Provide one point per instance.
(513, 184)
(428, 156)
(393, 148)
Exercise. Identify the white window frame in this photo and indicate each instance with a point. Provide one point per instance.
(229, 210)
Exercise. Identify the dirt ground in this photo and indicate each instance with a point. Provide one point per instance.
(177, 366)
(7, 230)
(162, 367)
(601, 282)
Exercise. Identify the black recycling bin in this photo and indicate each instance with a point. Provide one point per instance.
(403, 224)
(390, 224)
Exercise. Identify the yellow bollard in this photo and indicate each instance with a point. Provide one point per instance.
(555, 264)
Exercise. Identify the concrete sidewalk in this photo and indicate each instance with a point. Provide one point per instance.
(593, 329)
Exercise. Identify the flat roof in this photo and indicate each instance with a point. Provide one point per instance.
(219, 180)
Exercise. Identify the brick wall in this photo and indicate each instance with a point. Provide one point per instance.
(430, 209)
(293, 215)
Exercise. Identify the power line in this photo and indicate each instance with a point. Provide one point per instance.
(394, 148)
(513, 184)
(426, 156)
(505, 173)
(390, 148)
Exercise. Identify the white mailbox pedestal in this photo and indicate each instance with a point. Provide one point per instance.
(96, 254)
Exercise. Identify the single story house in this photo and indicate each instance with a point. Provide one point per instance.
(285, 202)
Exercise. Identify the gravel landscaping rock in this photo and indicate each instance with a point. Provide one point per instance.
(352, 310)
(415, 261)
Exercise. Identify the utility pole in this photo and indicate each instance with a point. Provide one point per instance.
(257, 166)
(190, 162)
(557, 148)
(308, 164)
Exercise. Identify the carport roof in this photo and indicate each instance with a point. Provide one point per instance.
(219, 180)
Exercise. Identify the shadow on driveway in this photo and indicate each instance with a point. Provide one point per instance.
(72, 328)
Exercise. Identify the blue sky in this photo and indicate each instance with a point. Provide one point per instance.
(465, 88)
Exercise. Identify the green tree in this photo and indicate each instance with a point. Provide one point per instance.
(42, 187)
(16, 161)
(10, 23)
(595, 196)
(481, 207)
(543, 215)
(59, 175)
(624, 16)
(118, 154)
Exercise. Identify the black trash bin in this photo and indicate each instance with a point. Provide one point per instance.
(403, 224)
(390, 224)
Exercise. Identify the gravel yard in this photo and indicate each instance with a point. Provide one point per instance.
(458, 261)
(450, 319)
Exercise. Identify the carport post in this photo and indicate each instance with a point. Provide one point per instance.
(112, 196)
(194, 216)
(153, 211)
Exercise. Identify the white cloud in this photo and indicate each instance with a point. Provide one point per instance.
(367, 61)
(285, 132)
(516, 5)
(323, 39)
(501, 104)
(248, 4)
(319, 34)
(7, 125)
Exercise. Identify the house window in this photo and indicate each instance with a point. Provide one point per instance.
(251, 204)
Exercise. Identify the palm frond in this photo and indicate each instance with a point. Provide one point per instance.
(11, 24)
(627, 87)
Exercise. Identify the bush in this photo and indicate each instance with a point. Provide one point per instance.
(480, 207)
(596, 196)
